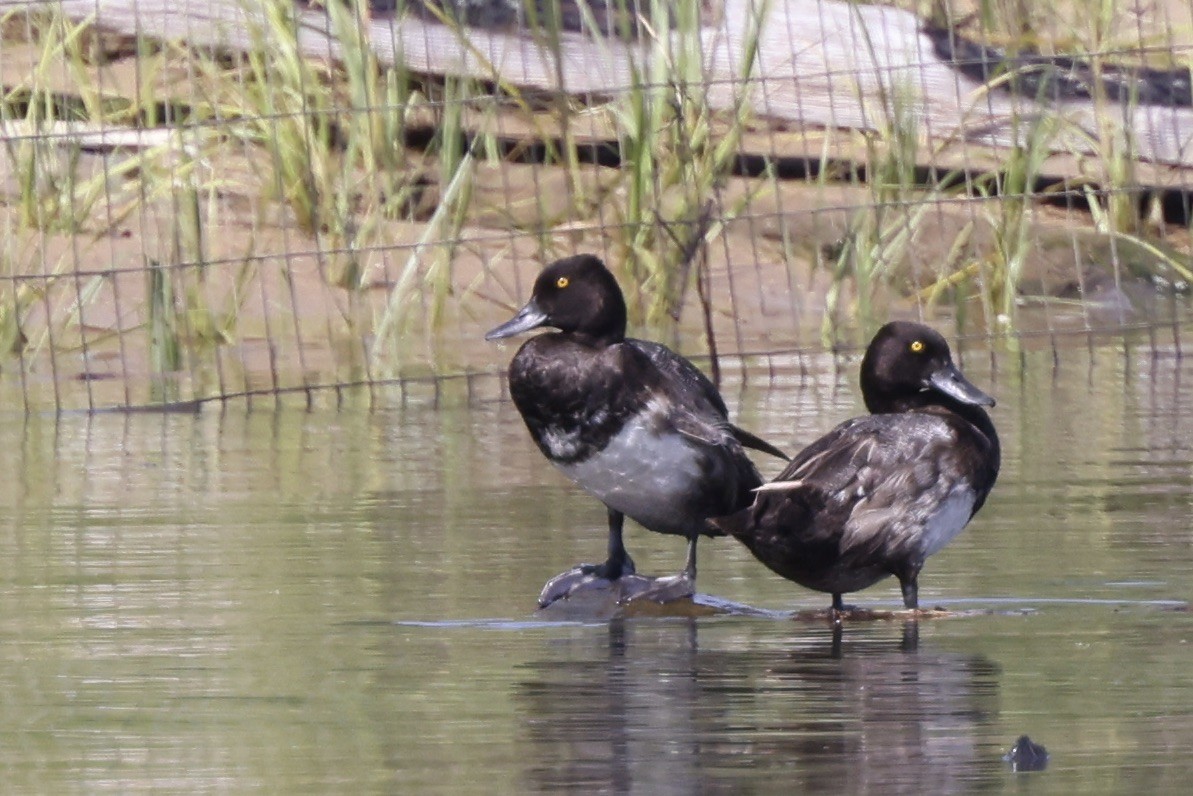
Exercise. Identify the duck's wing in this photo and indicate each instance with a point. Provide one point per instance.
(791, 505)
(832, 461)
(676, 400)
(688, 387)
(865, 476)
(688, 383)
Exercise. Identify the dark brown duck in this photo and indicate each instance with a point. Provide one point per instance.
(878, 495)
(634, 424)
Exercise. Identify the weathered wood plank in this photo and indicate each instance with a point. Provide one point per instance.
(821, 62)
(91, 137)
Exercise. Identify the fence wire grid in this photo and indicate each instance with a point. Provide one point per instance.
(228, 199)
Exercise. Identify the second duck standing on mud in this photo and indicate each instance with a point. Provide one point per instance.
(878, 495)
(630, 421)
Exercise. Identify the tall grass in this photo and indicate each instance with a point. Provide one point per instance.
(878, 244)
(881, 236)
(1008, 198)
(54, 195)
(677, 152)
(1010, 216)
(337, 154)
(372, 122)
(329, 142)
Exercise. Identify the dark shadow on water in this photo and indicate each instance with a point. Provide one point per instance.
(646, 706)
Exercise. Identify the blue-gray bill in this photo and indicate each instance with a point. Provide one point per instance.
(949, 381)
(529, 317)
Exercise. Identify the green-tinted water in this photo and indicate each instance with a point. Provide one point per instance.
(342, 601)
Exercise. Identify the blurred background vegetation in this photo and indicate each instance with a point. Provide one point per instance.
(185, 222)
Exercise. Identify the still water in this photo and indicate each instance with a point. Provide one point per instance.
(341, 600)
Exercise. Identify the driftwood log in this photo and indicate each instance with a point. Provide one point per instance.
(820, 63)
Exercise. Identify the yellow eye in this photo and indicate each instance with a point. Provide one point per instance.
(917, 346)
(561, 282)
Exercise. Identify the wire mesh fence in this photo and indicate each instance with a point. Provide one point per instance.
(232, 198)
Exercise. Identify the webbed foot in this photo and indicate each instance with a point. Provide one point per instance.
(582, 578)
(657, 590)
(586, 577)
(588, 580)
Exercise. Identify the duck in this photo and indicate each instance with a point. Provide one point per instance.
(879, 494)
(631, 422)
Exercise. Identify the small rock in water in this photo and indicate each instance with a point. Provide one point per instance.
(1027, 755)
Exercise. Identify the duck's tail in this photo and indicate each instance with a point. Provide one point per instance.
(757, 443)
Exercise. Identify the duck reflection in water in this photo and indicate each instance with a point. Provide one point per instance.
(878, 495)
(685, 707)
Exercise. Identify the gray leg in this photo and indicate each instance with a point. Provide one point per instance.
(588, 576)
(618, 562)
(911, 592)
(689, 568)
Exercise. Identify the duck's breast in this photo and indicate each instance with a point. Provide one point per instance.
(652, 473)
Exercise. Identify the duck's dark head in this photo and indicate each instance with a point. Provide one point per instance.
(908, 365)
(577, 295)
